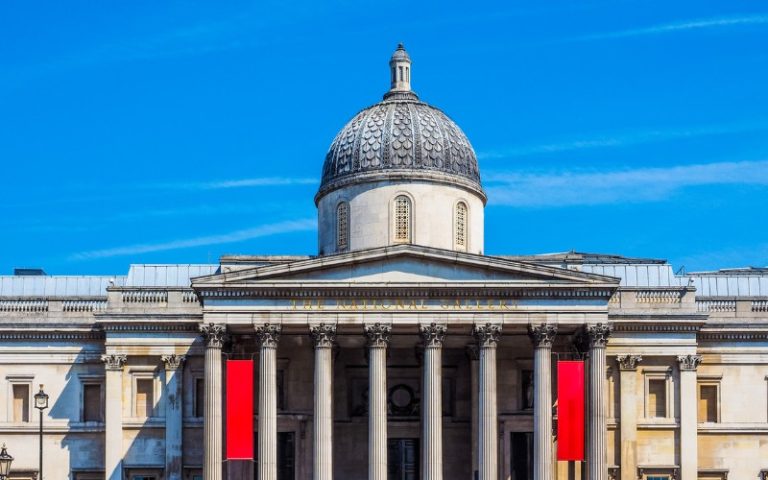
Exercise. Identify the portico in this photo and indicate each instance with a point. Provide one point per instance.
(387, 357)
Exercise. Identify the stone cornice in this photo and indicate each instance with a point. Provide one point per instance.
(655, 327)
(736, 335)
(150, 327)
(92, 335)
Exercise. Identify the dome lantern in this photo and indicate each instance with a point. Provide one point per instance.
(400, 71)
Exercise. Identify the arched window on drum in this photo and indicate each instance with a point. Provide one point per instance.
(403, 223)
(342, 227)
(460, 222)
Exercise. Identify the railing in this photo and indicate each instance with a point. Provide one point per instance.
(760, 305)
(84, 305)
(658, 296)
(718, 306)
(24, 306)
(145, 296)
(189, 296)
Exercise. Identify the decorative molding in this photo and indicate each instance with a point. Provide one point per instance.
(628, 362)
(268, 335)
(689, 362)
(613, 473)
(378, 334)
(213, 334)
(114, 361)
(487, 335)
(56, 336)
(542, 335)
(598, 334)
(173, 361)
(324, 335)
(150, 327)
(737, 336)
(619, 326)
(432, 335)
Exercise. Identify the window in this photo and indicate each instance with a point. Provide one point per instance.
(342, 226)
(461, 226)
(657, 477)
(92, 411)
(21, 402)
(402, 219)
(144, 401)
(657, 398)
(199, 398)
(708, 401)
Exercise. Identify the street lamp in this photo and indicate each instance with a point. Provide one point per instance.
(41, 403)
(5, 463)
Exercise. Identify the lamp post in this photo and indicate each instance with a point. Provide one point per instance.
(5, 463)
(41, 403)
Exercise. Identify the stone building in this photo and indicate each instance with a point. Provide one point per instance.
(400, 351)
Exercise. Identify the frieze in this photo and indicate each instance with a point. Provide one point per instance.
(55, 336)
(483, 293)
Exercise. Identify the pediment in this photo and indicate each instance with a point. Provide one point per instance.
(405, 264)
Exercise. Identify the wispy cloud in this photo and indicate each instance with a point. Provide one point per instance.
(626, 186)
(231, 237)
(622, 139)
(686, 25)
(238, 183)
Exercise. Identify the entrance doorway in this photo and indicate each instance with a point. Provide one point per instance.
(522, 455)
(402, 459)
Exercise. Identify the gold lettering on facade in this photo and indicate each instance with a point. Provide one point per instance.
(470, 304)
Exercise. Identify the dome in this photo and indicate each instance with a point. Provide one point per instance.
(400, 138)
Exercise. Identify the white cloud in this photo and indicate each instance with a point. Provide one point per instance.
(626, 186)
(238, 183)
(622, 139)
(231, 237)
(714, 22)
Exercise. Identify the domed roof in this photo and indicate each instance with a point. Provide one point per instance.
(400, 138)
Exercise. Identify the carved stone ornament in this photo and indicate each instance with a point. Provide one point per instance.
(268, 335)
(378, 335)
(432, 335)
(213, 334)
(173, 361)
(487, 335)
(689, 362)
(598, 335)
(628, 362)
(324, 335)
(542, 335)
(114, 361)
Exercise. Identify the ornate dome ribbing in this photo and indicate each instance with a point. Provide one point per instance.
(400, 138)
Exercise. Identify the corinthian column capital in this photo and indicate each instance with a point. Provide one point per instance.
(268, 335)
(598, 335)
(213, 334)
(114, 361)
(689, 362)
(432, 335)
(324, 335)
(542, 335)
(173, 361)
(628, 362)
(378, 334)
(487, 335)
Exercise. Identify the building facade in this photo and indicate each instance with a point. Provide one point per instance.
(400, 351)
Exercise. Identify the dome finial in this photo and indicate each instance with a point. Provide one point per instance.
(400, 70)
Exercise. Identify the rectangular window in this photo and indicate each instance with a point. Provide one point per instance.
(708, 403)
(199, 397)
(657, 398)
(92, 411)
(21, 402)
(657, 477)
(144, 397)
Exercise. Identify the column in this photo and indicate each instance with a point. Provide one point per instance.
(267, 336)
(213, 335)
(628, 414)
(378, 336)
(488, 443)
(689, 462)
(113, 416)
(597, 463)
(542, 337)
(174, 368)
(432, 336)
(324, 337)
(473, 354)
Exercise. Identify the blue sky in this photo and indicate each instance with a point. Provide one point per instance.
(165, 132)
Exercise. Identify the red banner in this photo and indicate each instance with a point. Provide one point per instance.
(570, 410)
(239, 409)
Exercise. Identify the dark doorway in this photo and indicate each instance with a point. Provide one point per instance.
(403, 458)
(286, 456)
(522, 456)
